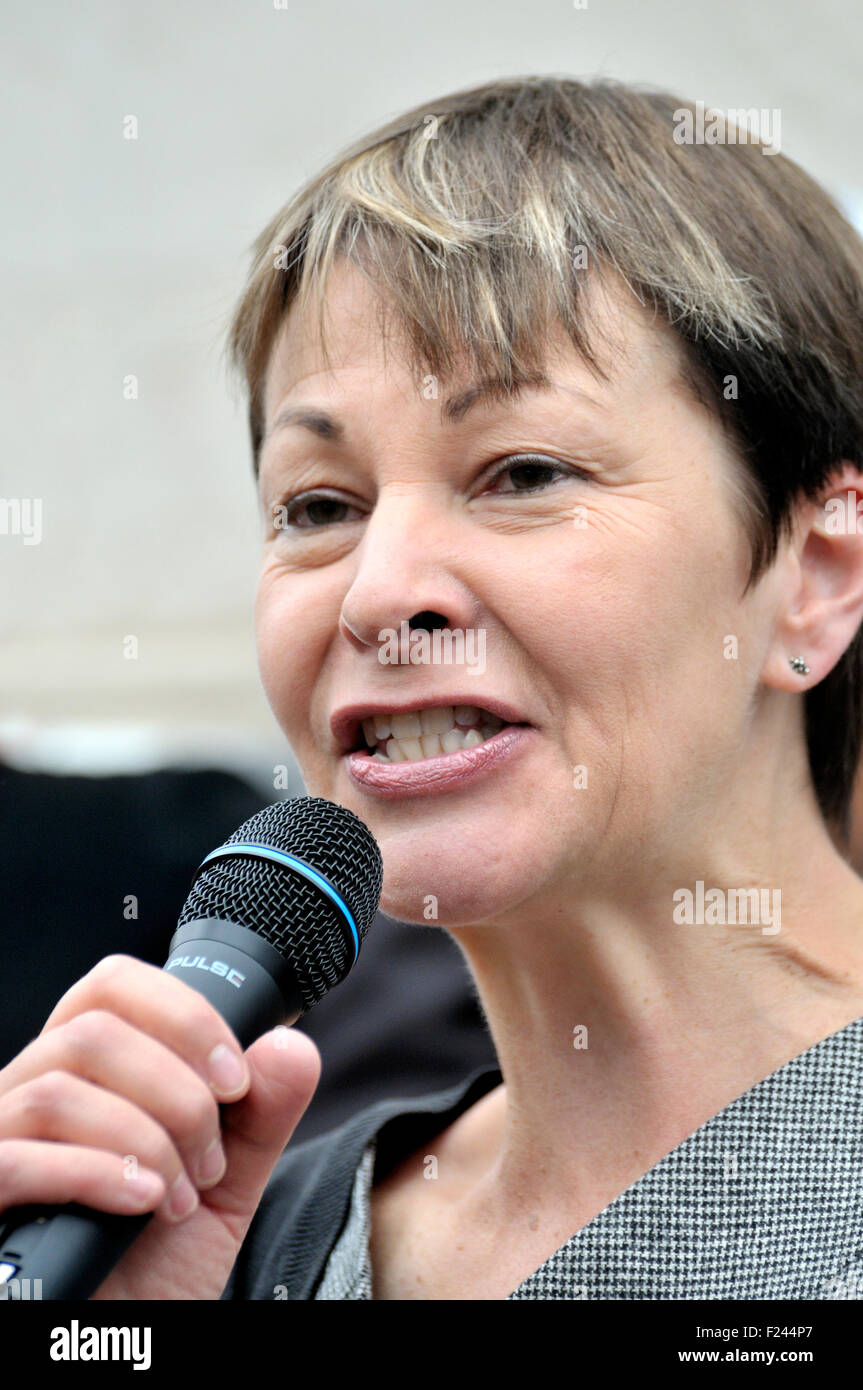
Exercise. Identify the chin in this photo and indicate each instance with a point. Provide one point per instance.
(452, 866)
(437, 889)
(447, 913)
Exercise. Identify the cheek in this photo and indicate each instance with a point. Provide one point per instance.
(607, 604)
(632, 632)
(288, 639)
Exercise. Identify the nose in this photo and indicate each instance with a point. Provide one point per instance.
(408, 569)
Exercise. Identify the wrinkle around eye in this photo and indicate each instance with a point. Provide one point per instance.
(513, 523)
(295, 559)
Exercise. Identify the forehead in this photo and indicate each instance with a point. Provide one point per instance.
(635, 350)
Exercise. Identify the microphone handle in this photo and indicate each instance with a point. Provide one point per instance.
(67, 1252)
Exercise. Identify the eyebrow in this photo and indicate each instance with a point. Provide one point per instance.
(326, 426)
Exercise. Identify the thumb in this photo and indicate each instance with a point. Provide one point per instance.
(284, 1068)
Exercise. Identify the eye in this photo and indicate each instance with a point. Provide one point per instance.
(319, 509)
(313, 511)
(535, 472)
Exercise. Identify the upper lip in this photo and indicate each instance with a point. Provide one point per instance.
(346, 721)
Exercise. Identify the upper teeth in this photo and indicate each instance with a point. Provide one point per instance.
(427, 733)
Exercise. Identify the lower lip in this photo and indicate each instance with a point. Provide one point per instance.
(431, 776)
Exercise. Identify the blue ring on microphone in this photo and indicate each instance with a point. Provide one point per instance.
(287, 861)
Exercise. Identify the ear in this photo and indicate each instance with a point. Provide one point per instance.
(823, 604)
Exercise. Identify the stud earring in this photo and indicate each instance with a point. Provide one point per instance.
(799, 665)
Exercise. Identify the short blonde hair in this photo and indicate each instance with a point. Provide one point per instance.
(480, 216)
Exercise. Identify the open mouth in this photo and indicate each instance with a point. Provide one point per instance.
(415, 735)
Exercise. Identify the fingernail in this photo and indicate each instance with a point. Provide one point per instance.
(227, 1071)
(142, 1188)
(213, 1163)
(182, 1199)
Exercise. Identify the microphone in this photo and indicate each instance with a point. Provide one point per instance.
(274, 919)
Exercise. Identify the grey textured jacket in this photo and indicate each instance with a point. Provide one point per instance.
(763, 1201)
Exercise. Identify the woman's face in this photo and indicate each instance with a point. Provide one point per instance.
(598, 588)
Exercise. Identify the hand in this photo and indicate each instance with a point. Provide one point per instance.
(115, 1105)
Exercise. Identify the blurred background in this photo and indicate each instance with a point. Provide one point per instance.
(126, 632)
(122, 258)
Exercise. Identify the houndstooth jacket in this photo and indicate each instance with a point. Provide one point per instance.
(763, 1201)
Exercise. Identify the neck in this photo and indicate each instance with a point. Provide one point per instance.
(620, 1030)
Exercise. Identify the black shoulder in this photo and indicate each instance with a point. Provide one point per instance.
(298, 1218)
(307, 1198)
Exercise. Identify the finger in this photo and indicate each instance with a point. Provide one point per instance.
(68, 1110)
(285, 1067)
(167, 1008)
(32, 1170)
(107, 1051)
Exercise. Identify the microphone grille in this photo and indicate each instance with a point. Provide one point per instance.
(293, 914)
